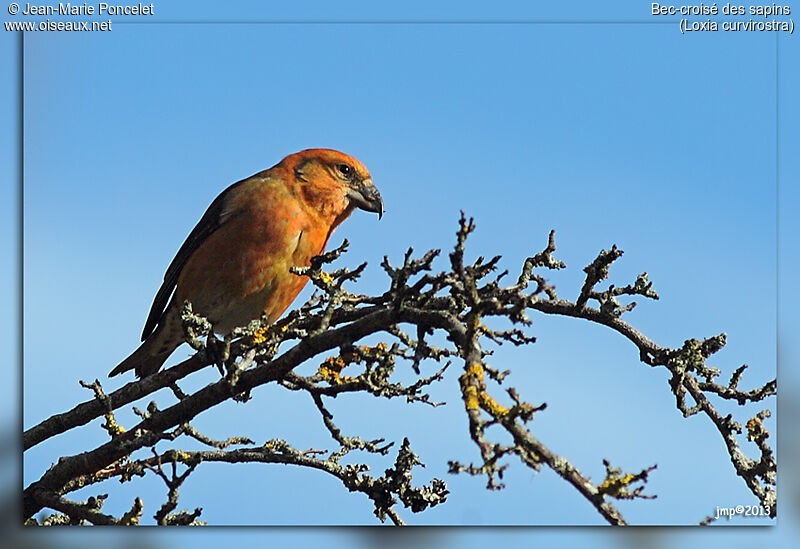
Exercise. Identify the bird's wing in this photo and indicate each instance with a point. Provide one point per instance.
(217, 214)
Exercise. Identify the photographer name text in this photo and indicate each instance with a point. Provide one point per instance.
(102, 8)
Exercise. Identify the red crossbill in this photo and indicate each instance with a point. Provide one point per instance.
(234, 265)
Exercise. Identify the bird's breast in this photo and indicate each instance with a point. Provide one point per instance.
(244, 268)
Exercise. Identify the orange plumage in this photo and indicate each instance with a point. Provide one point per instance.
(235, 263)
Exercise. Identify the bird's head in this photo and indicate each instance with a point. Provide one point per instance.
(329, 179)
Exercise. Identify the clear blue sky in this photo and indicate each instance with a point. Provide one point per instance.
(627, 134)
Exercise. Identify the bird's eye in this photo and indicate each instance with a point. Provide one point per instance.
(345, 169)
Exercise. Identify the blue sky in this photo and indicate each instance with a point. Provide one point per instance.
(627, 134)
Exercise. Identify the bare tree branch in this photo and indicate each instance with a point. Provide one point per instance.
(463, 302)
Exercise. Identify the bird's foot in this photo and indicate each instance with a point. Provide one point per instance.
(218, 352)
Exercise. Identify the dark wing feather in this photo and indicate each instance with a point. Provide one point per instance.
(212, 220)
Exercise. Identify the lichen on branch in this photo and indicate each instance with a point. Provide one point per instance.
(466, 302)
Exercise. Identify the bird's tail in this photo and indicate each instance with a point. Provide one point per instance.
(145, 360)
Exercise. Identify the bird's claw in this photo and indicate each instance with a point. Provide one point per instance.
(218, 352)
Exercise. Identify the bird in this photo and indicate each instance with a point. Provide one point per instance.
(235, 264)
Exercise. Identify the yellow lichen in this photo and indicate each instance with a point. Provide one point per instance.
(114, 429)
(616, 482)
(755, 429)
(491, 405)
(473, 387)
(326, 278)
(471, 401)
(260, 335)
(331, 368)
(627, 479)
(475, 370)
(329, 375)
